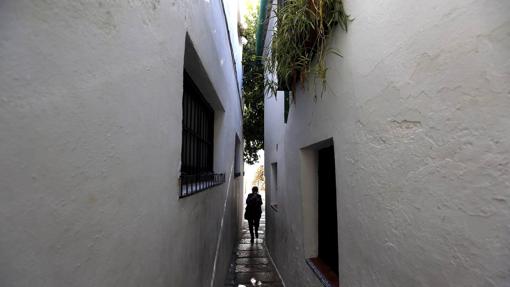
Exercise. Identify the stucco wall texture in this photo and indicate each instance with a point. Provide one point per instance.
(90, 144)
(419, 112)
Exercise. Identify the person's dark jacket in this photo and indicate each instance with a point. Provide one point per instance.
(253, 206)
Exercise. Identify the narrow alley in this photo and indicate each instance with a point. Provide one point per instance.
(131, 134)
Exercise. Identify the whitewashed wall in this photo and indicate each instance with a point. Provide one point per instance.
(232, 8)
(418, 109)
(90, 144)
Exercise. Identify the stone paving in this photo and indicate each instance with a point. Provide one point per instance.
(250, 265)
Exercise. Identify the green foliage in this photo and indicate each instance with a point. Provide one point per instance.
(253, 92)
(303, 26)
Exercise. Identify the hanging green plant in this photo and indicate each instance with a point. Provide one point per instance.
(301, 33)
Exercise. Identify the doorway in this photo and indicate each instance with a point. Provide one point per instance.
(327, 213)
(320, 234)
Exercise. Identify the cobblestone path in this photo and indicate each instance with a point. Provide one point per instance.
(250, 265)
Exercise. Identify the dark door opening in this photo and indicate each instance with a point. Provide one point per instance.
(327, 225)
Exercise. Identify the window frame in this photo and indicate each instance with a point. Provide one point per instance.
(197, 150)
(237, 157)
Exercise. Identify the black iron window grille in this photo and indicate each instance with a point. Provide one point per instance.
(197, 142)
(193, 183)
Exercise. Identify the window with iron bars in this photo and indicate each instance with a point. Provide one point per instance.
(197, 142)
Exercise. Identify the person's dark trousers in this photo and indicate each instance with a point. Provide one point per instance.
(254, 222)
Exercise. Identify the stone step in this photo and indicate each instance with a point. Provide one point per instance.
(245, 278)
(251, 261)
(253, 253)
(240, 268)
(250, 247)
(260, 240)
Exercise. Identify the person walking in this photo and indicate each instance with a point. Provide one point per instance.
(253, 212)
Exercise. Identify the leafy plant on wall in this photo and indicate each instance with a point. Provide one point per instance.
(253, 91)
(300, 37)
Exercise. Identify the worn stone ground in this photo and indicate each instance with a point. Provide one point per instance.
(250, 265)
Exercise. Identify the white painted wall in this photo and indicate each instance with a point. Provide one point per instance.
(90, 143)
(233, 15)
(418, 109)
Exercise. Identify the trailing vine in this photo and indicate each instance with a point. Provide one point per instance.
(301, 33)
